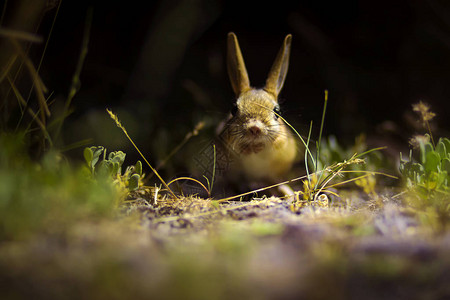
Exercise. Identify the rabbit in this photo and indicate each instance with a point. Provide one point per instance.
(258, 145)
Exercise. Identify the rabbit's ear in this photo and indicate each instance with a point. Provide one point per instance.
(236, 66)
(277, 74)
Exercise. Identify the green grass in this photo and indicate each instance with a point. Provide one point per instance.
(47, 196)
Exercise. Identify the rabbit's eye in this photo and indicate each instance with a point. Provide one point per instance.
(234, 110)
(277, 111)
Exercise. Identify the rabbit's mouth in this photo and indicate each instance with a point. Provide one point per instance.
(250, 148)
(254, 139)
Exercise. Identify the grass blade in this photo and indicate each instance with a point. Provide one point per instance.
(114, 117)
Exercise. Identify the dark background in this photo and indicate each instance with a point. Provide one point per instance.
(161, 66)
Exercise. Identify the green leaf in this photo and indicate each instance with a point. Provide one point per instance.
(434, 180)
(441, 149)
(111, 155)
(442, 176)
(115, 167)
(117, 156)
(429, 147)
(104, 168)
(97, 152)
(425, 148)
(88, 155)
(432, 161)
(446, 142)
(133, 182)
(138, 168)
(445, 165)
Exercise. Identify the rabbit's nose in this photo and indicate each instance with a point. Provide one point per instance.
(255, 130)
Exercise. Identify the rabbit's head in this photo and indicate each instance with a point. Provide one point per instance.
(256, 122)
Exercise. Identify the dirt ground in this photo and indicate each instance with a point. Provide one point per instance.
(270, 248)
